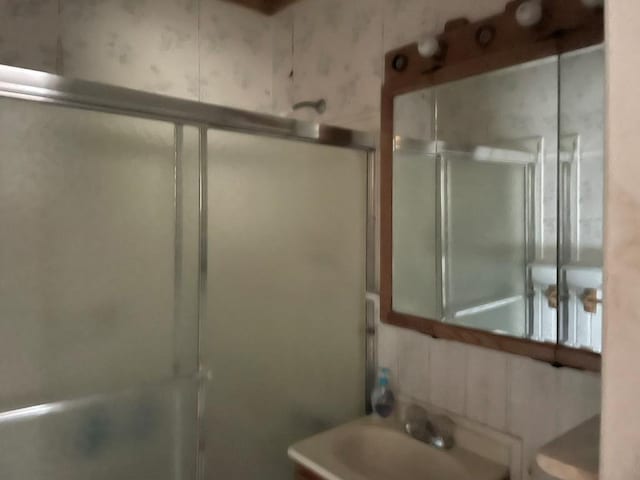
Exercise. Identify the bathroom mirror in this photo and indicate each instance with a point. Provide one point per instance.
(581, 199)
(492, 190)
(474, 194)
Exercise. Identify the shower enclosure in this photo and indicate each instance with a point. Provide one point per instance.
(182, 286)
(481, 203)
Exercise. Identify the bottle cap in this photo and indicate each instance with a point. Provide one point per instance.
(383, 376)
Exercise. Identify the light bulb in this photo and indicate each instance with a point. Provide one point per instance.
(529, 13)
(428, 46)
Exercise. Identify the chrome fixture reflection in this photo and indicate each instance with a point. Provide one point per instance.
(529, 13)
(435, 430)
(320, 106)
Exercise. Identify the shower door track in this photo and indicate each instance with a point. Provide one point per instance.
(48, 88)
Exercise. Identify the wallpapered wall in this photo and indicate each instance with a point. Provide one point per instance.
(334, 49)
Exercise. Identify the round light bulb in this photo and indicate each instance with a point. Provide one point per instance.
(428, 46)
(529, 13)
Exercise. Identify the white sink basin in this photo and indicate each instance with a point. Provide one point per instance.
(374, 449)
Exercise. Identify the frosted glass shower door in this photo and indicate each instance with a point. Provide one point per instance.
(486, 254)
(284, 335)
(93, 322)
(416, 284)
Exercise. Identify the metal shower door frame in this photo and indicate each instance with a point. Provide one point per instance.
(36, 86)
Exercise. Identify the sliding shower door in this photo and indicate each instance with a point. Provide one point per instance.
(98, 330)
(284, 335)
(176, 302)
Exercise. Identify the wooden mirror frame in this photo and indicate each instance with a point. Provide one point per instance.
(268, 7)
(468, 49)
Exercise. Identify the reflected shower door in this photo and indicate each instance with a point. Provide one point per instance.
(94, 229)
(485, 251)
(416, 285)
(581, 174)
(498, 133)
(284, 336)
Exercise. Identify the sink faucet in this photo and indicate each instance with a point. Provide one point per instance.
(435, 430)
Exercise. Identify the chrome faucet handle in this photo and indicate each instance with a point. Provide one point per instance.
(416, 421)
(441, 428)
(436, 430)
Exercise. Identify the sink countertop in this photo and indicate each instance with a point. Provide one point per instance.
(371, 448)
(574, 455)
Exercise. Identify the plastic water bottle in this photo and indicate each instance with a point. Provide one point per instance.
(382, 398)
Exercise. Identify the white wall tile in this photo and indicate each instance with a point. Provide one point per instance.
(413, 364)
(387, 349)
(529, 399)
(447, 375)
(486, 387)
(29, 34)
(532, 408)
(579, 397)
(146, 45)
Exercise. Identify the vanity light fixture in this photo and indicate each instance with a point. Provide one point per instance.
(400, 62)
(485, 35)
(429, 46)
(529, 13)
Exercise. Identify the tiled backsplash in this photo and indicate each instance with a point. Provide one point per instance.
(529, 399)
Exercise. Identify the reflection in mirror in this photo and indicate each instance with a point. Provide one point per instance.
(581, 197)
(416, 278)
(474, 201)
(417, 281)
